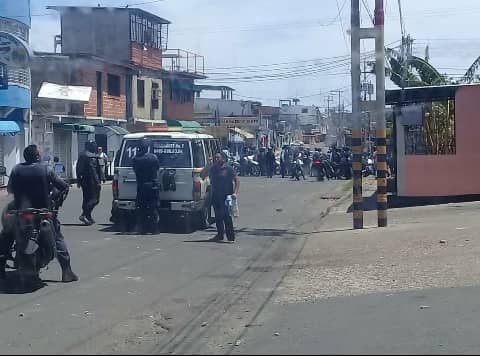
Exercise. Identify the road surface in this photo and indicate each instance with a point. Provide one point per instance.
(166, 293)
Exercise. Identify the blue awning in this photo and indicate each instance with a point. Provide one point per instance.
(9, 128)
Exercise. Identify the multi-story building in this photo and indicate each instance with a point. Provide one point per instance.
(15, 95)
(160, 85)
(62, 120)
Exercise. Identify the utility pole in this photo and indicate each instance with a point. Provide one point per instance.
(382, 199)
(340, 116)
(357, 148)
(328, 99)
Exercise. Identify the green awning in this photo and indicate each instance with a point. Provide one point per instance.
(185, 125)
(76, 128)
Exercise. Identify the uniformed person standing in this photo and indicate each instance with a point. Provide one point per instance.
(89, 179)
(146, 166)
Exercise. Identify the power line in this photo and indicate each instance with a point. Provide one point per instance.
(369, 12)
(341, 24)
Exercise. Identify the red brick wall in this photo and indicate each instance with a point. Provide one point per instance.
(151, 58)
(114, 107)
(173, 110)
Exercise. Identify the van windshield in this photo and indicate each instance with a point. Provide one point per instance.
(171, 153)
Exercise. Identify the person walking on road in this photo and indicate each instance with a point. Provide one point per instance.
(224, 183)
(103, 161)
(270, 162)
(89, 179)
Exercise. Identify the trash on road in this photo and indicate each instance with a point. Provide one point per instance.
(424, 307)
(443, 241)
(238, 342)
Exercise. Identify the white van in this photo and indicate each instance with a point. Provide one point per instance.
(183, 192)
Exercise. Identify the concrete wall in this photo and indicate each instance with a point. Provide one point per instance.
(102, 32)
(447, 174)
(146, 112)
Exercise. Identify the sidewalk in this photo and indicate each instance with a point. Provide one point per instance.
(404, 289)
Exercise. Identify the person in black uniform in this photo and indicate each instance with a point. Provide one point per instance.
(31, 183)
(89, 179)
(146, 166)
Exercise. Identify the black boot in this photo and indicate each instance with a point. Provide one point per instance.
(68, 275)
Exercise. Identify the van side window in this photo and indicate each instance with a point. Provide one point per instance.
(216, 146)
(198, 154)
(208, 148)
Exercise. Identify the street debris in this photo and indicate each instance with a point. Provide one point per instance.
(279, 210)
(21, 314)
(424, 307)
(276, 334)
(443, 241)
(204, 324)
(238, 342)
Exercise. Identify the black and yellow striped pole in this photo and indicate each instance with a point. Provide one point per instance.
(356, 118)
(382, 198)
(382, 202)
(357, 179)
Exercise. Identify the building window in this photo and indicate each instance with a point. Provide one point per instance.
(181, 96)
(140, 93)
(113, 84)
(148, 32)
(436, 136)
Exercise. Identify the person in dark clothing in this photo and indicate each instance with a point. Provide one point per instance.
(262, 161)
(222, 178)
(146, 166)
(89, 179)
(35, 185)
(270, 162)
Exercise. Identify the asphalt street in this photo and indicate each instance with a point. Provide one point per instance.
(166, 293)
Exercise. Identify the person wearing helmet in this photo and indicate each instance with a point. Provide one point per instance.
(89, 179)
(146, 166)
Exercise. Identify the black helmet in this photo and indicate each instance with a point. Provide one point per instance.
(91, 146)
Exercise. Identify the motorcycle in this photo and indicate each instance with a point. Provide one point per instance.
(34, 233)
(253, 167)
(368, 165)
(297, 169)
(319, 169)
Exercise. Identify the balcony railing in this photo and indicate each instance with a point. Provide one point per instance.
(179, 60)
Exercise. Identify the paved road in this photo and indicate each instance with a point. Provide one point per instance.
(165, 293)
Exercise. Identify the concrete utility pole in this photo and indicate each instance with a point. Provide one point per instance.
(328, 99)
(357, 148)
(340, 116)
(382, 199)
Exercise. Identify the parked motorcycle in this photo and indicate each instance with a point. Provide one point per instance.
(253, 167)
(368, 166)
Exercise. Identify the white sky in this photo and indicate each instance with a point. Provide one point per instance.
(258, 32)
